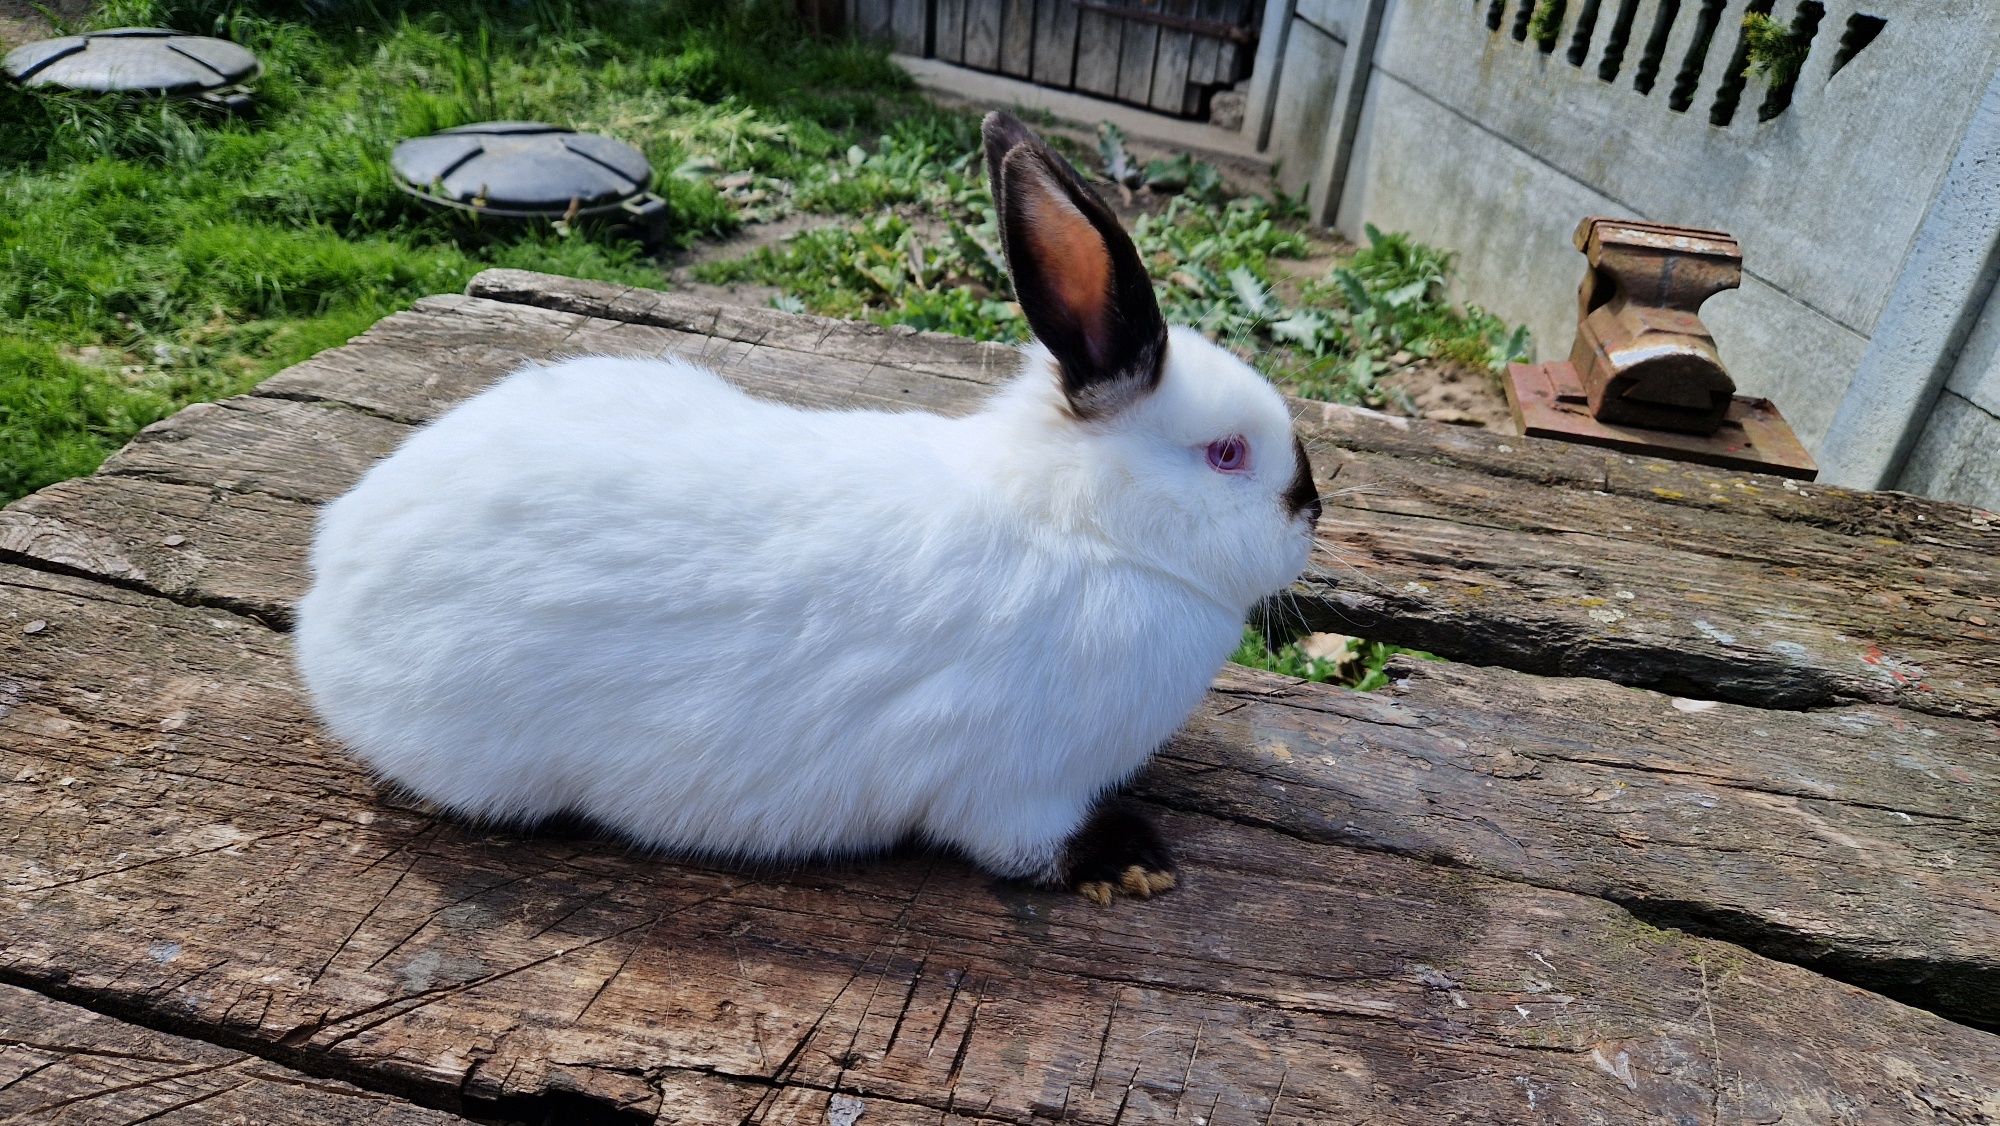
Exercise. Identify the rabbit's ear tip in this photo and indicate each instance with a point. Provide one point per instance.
(1002, 130)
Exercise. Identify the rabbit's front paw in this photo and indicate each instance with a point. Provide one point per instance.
(1118, 851)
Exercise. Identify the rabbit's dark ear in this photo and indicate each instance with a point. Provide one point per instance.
(1003, 133)
(1076, 273)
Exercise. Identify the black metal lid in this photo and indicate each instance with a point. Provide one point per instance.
(132, 60)
(521, 168)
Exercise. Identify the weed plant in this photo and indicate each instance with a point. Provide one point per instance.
(1359, 665)
(920, 248)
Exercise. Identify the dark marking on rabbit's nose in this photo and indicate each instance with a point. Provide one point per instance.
(1300, 495)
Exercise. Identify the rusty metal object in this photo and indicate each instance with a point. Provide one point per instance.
(1549, 402)
(1644, 374)
(1643, 354)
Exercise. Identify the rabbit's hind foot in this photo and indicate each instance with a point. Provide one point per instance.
(1118, 851)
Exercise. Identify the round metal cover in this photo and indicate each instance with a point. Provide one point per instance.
(133, 60)
(521, 168)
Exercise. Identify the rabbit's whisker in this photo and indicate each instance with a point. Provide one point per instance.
(1328, 549)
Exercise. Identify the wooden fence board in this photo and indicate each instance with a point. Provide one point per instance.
(1017, 38)
(1138, 47)
(1202, 61)
(1055, 43)
(1170, 88)
(1097, 51)
(1232, 59)
(873, 19)
(949, 41)
(982, 34)
(911, 26)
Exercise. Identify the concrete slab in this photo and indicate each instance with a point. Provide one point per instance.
(1304, 111)
(1958, 456)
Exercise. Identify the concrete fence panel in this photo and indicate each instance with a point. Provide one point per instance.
(1492, 126)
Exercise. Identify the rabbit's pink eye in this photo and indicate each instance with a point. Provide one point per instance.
(1230, 455)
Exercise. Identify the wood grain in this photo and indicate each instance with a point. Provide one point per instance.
(1138, 45)
(1097, 51)
(1055, 43)
(189, 804)
(874, 19)
(1171, 91)
(1710, 601)
(1017, 38)
(65, 1066)
(1204, 56)
(912, 26)
(948, 39)
(982, 34)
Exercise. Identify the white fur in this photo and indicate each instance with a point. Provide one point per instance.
(624, 589)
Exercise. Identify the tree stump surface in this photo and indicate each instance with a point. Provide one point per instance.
(1698, 826)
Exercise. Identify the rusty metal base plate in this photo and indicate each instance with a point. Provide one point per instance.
(1549, 402)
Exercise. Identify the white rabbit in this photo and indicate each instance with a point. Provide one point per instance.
(725, 627)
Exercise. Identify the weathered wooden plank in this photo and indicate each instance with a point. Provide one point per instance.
(911, 26)
(1017, 38)
(1055, 43)
(982, 33)
(948, 40)
(91, 526)
(1586, 583)
(931, 353)
(1171, 89)
(301, 451)
(1097, 50)
(241, 550)
(1915, 769)
(1919, 522)
(66, 1066)
(874, 19)
(1201, 61)
(168, 788)
(1138, 44)
(1513, 550)
(1772, 829)
(238, 551)
(1862, 776)
(1232, 59)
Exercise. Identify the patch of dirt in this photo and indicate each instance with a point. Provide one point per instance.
(23, 22)
(1444, 391)
(747, 239)
(1289, 275)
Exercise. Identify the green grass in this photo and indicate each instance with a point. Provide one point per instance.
(1774, 51)
(1360, 665)
(155, 254)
